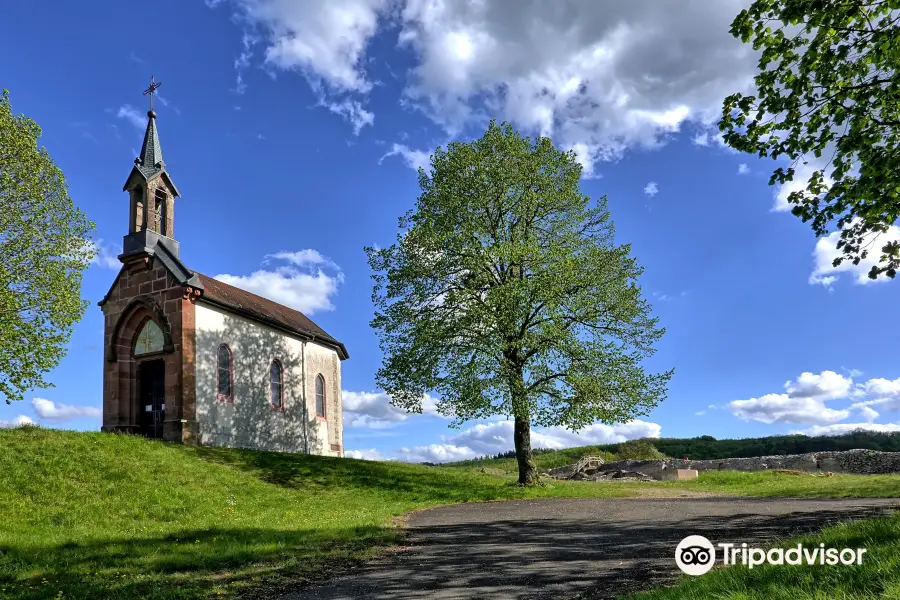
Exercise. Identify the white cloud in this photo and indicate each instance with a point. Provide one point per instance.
(243, 61)
(326, 41)
(617, 75)
(883, 404)
(17, 422)
(490, 438)
(367, 454)
(700, 413)
(414, 159)
(868, 413)
(826, 385)
(826, 251)
(883, 387)
(802, 173)
(651, 189)
(105, 257)
(352, 111)
(782, 408)
(373, 410)
(743, 169)
(50, 410)
(308, 257)
(840, 428)
(133, 116)
(303, 285)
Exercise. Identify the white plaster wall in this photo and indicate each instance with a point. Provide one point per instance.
(250, 421)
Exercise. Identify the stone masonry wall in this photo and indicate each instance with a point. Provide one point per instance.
(862, 462)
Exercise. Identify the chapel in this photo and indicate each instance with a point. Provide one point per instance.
(193, 360)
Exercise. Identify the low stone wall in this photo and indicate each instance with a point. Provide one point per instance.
(862, 462)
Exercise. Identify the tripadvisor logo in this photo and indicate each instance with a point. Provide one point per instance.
(696, 555)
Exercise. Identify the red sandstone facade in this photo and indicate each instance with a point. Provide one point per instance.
(145, 290)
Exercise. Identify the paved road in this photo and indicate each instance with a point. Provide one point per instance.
(570, 548)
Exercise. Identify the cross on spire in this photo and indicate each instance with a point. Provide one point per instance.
(154, 85)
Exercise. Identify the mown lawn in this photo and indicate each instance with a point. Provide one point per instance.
(90, 515)
(877, 577)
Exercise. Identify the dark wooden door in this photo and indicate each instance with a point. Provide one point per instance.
(152, 382)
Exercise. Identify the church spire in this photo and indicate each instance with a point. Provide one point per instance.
(151, 190)
(150, 162)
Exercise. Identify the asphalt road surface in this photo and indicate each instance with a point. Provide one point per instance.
(570, 548)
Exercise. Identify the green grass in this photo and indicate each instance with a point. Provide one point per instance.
(91, 515)
(791, 485)
(877, 577)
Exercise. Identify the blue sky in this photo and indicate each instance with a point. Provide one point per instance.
(292, 129)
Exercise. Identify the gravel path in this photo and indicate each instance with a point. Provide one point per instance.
(570, 548)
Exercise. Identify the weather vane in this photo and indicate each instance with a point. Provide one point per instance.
(154, 85)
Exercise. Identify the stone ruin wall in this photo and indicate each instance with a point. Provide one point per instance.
(861, 462)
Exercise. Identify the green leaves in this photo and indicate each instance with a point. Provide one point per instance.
(44, 247)
(506, 294)
(827, 86)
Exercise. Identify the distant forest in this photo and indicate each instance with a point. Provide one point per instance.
(708, 447)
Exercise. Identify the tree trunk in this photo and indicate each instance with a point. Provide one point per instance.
(528, 474)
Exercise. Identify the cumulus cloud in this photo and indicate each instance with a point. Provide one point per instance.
(617, 75)
(373, 410)
(826, 250)
(497, 436)
(414, 159)
(868, 413)
(17, 422)
(841, 428)
(52, 411)
(743, 169)
(367, 454)
(651, 189)
(306, 283)
(883, 387)
(826, 385)
(782, 408)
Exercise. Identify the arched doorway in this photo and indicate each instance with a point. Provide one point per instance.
(149, 344)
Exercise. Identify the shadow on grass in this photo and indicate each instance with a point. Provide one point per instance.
(190, 564)
(299, 472)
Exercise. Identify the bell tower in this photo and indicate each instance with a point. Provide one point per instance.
(151, 194)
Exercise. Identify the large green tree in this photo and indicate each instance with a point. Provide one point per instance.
(828, 90)
(506, 295)
(44, 248)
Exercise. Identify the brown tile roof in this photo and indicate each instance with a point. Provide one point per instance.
(267, 311)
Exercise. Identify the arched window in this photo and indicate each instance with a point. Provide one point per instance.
(150, 340)
(159, 213)
(137, 209)
(276, 385)
(225, 371)
(320, 396)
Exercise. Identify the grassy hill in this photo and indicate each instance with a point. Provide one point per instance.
(99, 516)
(91, 515)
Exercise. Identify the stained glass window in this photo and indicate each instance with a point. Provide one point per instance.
(149, 340)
